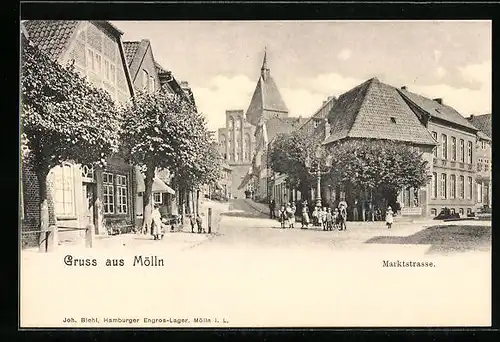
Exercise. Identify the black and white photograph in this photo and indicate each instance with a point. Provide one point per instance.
(284, 173)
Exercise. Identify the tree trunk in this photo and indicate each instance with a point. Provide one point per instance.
(147, 199)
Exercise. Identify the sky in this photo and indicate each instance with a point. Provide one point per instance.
(312, 60)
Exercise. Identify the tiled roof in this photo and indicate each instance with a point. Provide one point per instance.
(160, 69)
(481, 122)
(51, 36)
(483, 136)
(435, 109)
(130, 49)
(375, 110)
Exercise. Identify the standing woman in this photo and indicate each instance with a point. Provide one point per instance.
(157, 224)
(305, 217)
(389, 217)
(288, 215)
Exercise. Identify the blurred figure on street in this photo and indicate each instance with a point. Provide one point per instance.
(199, 223)
(272, 208)
(342, 215)
(156, 223)
(305, 217)
(329, 219)
(282, 216)
(292, 217)
(192, 221)
(389, 217)
(323, 218)
(314, 215)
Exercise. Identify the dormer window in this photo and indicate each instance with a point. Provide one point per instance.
(316, 123)
(393, 120)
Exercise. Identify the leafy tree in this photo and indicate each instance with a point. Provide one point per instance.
(378, 165)
(63, 116)
(161, 130)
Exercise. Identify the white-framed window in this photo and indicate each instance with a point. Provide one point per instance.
(462, 151)
(453, 148)
(112, 73)
(461, 211)
(469, 188)
(157, 198)
(121, 194)
(106, 70)
(443, 185)
(444, 146)
(483, 145)
(469, 152)
(486, 165)
(97, 63)
(435, 136)
(434, 185)
(145, 79)
(315, 123)
(469, 211)
(64, 194)
(479, 192)
(453, 186)
(151, 84)
(108, 191)
(90, 59)
(433, 212)
(461, 187)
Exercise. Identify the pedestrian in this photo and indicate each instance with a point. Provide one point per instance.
(323, 218)
(282, 216)
(156, 224)
(192, 220)
(288, 215)
(389, 217)
(292, 219)
(199, 223)
(329, 219)
(336, 220)
(272, 207)
(342, 216)
(305, 217)
(315, 214)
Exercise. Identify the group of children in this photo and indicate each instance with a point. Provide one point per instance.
(330, 219)
(287, 215)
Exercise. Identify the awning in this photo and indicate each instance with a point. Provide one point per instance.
(158, 184)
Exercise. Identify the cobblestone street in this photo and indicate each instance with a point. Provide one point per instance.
(252, 273)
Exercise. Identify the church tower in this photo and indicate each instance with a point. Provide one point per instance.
(266, 101)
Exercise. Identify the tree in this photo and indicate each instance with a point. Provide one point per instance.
(162, 130)
(63, 116)
(287, 155)
(378, 165)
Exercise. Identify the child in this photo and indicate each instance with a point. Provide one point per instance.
(192, 220)
(389, 217)
(329, 219)
(323, 218)
(336, 218)
(342, 216)
(199, 222)
(292, 215)
(282, 216)
(314, 216)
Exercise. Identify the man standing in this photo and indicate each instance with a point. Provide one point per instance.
(272, 207)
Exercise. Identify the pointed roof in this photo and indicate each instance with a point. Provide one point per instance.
(374, 110)
(481, 122)
(436, 109)
(266, 95)
(51, 36)
(131, 49)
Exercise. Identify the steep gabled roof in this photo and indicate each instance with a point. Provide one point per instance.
(482, 123)
(436, 109)
(374, 110)
(277, 125)
(266, 96)
(51, 36)
(130, 49)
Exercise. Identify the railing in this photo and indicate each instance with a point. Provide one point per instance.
(49, 239)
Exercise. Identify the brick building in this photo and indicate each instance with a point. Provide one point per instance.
(83, 194)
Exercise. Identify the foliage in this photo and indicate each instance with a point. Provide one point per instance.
(287, 155)
(380, 165)
(64, 117)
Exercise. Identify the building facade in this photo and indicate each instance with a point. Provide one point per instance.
(453, 159)
(483, 160)
(84, 194)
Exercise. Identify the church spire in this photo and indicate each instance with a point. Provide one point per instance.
(264, 71)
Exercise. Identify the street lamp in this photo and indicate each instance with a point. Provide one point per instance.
(314, 168)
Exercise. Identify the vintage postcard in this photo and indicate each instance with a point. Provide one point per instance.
(255, 174)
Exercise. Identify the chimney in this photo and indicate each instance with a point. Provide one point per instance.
(404, 88)
(438, 100)
(471, 117)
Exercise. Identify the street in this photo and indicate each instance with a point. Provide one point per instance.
(251, 273)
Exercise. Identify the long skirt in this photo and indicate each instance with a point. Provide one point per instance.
(305, 218)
